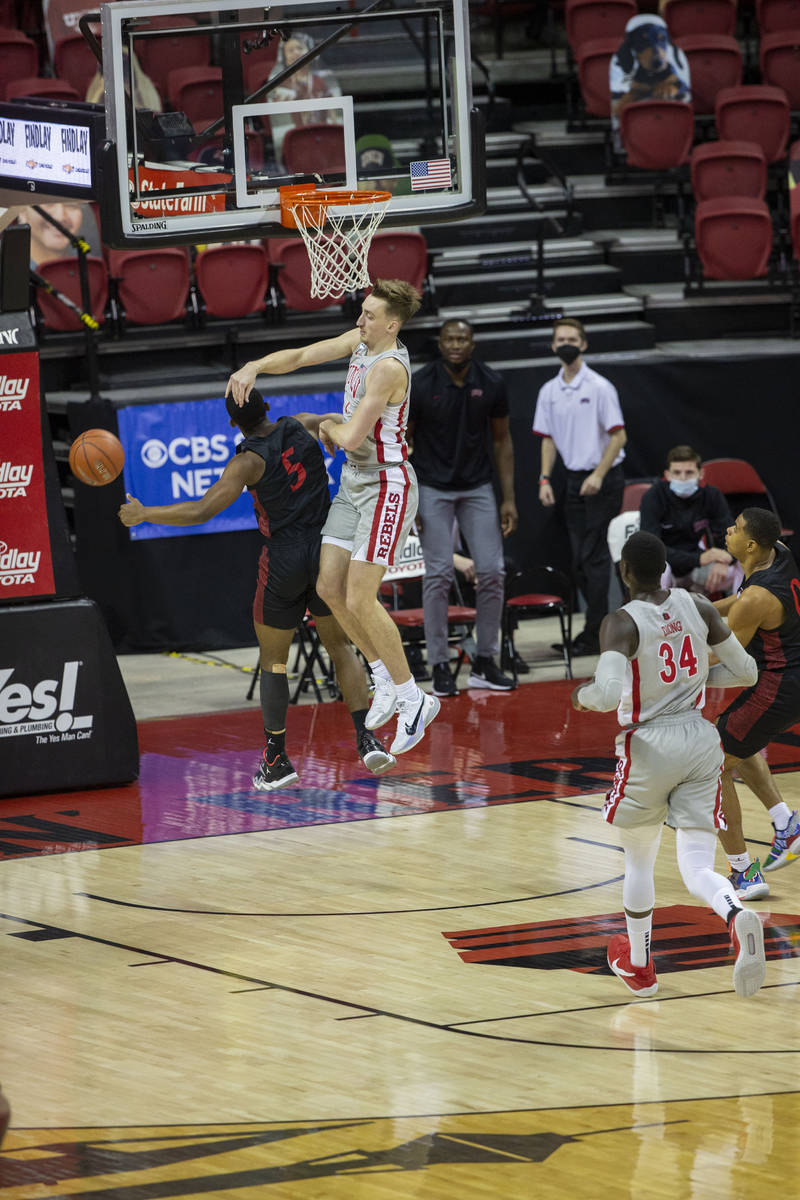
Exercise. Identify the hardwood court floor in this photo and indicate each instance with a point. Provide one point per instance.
(379, 989)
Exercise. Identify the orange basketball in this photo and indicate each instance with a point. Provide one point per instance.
(96, 457)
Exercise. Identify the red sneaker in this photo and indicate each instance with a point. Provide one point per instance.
(641, 981)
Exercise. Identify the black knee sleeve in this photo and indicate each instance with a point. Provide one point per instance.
(274, 690)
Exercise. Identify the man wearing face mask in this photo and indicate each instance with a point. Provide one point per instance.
(578, 416)
(691, 518)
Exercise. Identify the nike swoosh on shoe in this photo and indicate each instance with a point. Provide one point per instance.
(412, 728)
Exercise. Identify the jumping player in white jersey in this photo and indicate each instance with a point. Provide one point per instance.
(372, 513)
(653, 669)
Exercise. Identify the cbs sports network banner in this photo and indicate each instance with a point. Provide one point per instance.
(176, 451)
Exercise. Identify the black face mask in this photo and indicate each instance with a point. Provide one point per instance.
(568, 353)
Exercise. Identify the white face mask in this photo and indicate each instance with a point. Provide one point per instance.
(683, 487)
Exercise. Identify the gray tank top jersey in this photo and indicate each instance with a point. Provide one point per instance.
(669, 673)
(385, 444)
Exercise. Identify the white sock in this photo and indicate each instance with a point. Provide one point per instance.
(408, 692)
(378, 670)
(780, 814)
(739, 862)
(639, 930)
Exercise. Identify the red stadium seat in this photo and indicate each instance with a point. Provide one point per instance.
(62, 273)
(152, 285)
(756, 113)
(46, 89)
(657, 134)
(632, 495)
(293, 272)
(158, 56)
(314, 149)
(715, 62)
(740, 483)
(197, 92)
(74, 61)
(773, 16)
(233, 279)
(733, 237)
(593, 59)
(779, 56)
(728, 169)
(19, 57)
(400, 255)
(687, 17)
(591, 20)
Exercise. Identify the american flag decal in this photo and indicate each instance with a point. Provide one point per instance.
(431, 173)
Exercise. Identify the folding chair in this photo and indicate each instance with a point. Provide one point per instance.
(460, 617)
(740, 482)
(308, 660)
(536, 592)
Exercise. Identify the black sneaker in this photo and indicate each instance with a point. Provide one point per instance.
(373, 754)
(507, 664)
(486, 674)
(443, 682)
(276, 774)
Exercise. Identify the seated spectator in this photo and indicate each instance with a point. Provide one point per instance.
(691, 518)
(377, 165)
(47, 242)
(309, 83)
(647, 66)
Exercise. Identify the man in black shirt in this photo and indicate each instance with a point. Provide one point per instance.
(458, 405)
(691, 519)
(281, 465)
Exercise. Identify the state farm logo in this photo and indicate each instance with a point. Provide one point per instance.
(14, 479)
(18, 566)
(44, 709)
(12, 391)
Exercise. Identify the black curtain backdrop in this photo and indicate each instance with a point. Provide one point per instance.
(196, 592)
(725, 408)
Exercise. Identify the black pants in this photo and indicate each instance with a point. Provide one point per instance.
(587, 522)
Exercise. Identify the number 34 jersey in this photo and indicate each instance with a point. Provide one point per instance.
(291, 499)
(668, 674)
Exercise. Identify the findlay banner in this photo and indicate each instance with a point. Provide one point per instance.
(175, 452)
(26, 568)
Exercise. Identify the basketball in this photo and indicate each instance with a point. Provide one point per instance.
(96, 457)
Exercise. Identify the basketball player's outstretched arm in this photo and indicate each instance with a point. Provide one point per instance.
(242, 471)
(282, 362)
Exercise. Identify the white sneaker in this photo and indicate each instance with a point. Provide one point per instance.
(384, 703)
(747, 940)
(413, 718)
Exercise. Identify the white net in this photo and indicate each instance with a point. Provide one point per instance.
(338, 254)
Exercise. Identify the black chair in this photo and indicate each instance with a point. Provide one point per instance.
(536, 592)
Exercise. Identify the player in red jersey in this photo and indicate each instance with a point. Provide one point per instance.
(765, 616)
(281, 464)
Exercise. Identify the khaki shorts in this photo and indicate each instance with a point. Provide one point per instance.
(372, 513)
(668, 770)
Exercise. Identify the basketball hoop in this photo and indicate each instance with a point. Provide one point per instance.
(337, 228)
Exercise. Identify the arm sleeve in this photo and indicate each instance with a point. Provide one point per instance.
(736, 668)
(604, 692)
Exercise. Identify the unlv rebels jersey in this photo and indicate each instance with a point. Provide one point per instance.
(669, 671)
(777, 649)
(385, 444)
(291, 499)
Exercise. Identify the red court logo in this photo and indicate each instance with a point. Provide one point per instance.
(685, 938)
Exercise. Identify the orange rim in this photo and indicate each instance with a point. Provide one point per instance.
(305, 204)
